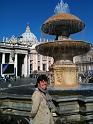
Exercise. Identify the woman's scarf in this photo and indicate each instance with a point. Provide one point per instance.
(48, 99)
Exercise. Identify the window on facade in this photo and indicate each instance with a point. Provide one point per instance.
(44, 67)
(7, 57)
(90, 59)
(38, 68)
(31, 68)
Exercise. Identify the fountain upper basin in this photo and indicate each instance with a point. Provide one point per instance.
(63, 49)
(62, 23)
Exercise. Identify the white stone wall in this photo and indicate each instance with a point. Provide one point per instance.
(38, 60)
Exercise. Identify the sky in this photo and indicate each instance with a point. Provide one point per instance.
(16, 14)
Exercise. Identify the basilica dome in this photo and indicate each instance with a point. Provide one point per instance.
(28, 37)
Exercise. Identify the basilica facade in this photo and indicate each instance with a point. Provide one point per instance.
(21, 52)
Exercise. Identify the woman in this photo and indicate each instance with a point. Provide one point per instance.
(42, 105)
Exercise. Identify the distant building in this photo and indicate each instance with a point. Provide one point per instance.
(38, 63)
(21, 52)
(84, 62)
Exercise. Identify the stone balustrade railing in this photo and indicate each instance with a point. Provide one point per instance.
(72, 109)
(15, 105)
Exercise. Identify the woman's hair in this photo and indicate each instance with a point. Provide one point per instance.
(41, 78)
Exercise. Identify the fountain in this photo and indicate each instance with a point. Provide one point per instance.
(73, 100)
(63, 49)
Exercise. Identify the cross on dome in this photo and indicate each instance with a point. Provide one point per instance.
(28, 28)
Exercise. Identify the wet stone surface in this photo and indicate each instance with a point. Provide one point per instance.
(8, 119)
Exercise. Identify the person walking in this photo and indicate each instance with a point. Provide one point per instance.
(42, 104)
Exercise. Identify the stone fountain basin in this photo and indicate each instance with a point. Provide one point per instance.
(63, 49)
(56, 24)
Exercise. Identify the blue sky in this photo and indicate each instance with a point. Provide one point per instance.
(15, 14)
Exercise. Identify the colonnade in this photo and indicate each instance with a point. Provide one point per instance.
(25, 63)
(39, 61)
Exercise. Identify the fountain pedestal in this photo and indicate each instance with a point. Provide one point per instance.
(64, 75)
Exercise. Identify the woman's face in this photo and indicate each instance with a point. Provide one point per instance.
(42, 85)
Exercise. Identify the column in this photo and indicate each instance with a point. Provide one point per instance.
(3, 58)
(47, 65)
(89, 67)
(15, 65)
(35, 62)
(28, 63)
(41, 63)
(10, 59)
(25, 66)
